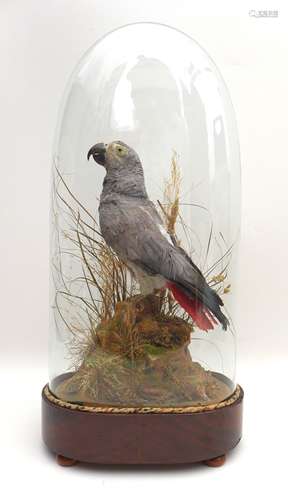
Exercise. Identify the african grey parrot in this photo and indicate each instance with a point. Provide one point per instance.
(132, 227)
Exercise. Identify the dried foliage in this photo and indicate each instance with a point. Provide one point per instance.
(171, 198)
(103, 280)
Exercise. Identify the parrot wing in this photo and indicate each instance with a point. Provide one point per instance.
(148, 245)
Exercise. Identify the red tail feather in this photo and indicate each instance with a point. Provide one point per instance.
(203, 318)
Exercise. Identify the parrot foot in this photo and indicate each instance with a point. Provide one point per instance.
(65, 461)
(215, 462)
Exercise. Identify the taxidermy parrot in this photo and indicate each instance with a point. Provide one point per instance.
(133, 228)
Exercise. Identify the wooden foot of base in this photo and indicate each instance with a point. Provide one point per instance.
(65, 461)
(215, 462)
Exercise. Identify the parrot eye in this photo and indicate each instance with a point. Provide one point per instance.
(121, 151)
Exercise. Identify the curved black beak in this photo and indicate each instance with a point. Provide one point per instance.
(98, 152)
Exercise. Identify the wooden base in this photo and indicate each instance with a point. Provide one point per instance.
(123, 437)
(65, 461)
(215, 462)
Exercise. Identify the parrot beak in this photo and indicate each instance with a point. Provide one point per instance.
(98, 152)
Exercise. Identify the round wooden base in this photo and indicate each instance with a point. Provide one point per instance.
(158, 437)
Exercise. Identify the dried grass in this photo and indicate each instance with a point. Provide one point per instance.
(171, 197)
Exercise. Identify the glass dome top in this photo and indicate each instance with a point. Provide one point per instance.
(142, 265)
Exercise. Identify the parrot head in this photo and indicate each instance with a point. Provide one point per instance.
(114, 155)
(124, 172)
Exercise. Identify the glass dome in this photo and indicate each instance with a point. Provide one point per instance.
(144, 226)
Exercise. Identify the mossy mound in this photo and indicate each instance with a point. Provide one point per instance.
(141, 358)
(139, 328)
